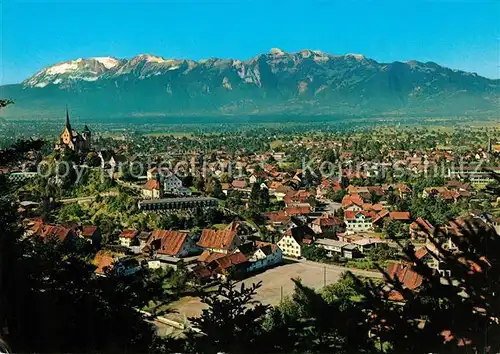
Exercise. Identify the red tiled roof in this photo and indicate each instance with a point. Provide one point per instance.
(353, 199)
(448, 337)
(351, 214)
(129, 234)
(170, 241)
(262, 244)
(239, 184)
(298, 210)
(275, 185)
(395, 295)
(230, 260)
(421, 252)
(449, 195)
(89, 231)
(103, 260)
(423, 224)
(399, 215)
(216, 239)
(327, 221)
(51, 231)
(277, 216)
(408, 278)
(377, 207)
(208, 256)
(152, 184)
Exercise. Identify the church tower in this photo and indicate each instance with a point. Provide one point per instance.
(87, 138)
(67, 134)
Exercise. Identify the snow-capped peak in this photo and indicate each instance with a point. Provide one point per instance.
(108, 62)
(356, 56)
(63, 68)
(277, 51)
(151, 58)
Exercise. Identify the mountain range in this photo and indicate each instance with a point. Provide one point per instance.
(307, 82)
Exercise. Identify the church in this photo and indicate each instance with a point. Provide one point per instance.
(73, 140)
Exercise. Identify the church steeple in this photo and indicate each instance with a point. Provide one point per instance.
(68, 125)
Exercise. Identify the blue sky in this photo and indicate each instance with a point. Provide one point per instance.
(457, 34)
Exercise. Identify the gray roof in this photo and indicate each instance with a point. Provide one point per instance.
(330, 242)
(350, 247)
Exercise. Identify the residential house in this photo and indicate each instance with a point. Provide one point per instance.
(278, 156)
(232, 265)
(430, 257)
(128, 238)
(226, 188)
(170, 243)
(281, 191)
(358, 221)
(258, 177)
(219, 241)
(365, 244)
(92, 234)
(331, 246)
(352, 202)
(143, 237)
(402, 216)
(152, 189)
(298, 209)
(292, 241)
(297, 197)
(207, 256)
(406, 276)
(421, 228)
(239, 184)
(327, 223)
(106, 261)
(336, 247)
(111, 160)
(265, 255)
(49, 232)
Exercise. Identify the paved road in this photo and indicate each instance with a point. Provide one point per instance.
(87, 199)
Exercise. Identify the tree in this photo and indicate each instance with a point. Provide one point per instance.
(455, 313)
(5, 102)
(230, 324)
(199, 184)
(217, 189)
(335, 196)
(394, 228)
(188, 180)
(264, 198)
(93, 160)
(382, 252)
(225, 178)
(49, 289)
(314, 253)
(311, 322)
(307, 178)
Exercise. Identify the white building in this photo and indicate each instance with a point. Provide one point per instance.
(358, 221)
(266, 255)
(290, 247)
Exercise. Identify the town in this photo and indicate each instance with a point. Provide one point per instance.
(269, 207)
